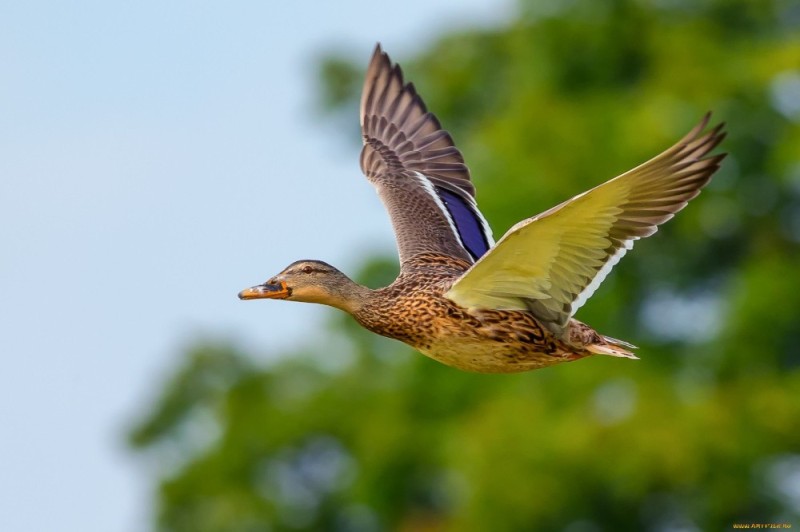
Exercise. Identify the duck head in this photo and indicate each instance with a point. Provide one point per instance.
(310, 281)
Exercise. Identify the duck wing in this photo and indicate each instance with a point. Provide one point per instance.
(418, 172)
(552, 263)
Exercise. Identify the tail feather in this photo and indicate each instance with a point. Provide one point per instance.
(613, 347)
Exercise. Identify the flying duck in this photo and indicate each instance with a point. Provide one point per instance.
(461, 298)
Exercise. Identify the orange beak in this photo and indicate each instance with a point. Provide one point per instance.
(266, 291)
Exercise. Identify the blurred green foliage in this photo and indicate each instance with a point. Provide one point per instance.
(703, 433)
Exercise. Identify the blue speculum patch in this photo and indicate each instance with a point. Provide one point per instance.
(467, 222)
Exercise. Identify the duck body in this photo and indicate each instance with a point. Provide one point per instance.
(413, 309)
(461, 298)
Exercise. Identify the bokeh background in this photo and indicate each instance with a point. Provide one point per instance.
(156, 158)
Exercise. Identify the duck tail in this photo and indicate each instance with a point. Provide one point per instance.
(612, 347)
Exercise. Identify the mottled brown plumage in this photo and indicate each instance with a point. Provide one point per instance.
(413, 310)
(461, 299)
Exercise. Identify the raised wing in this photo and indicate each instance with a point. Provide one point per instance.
(418, 172)
(552, 263)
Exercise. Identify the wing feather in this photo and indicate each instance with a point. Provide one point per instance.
(418, 172)
(552, 263)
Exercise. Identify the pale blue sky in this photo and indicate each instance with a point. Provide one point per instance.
(151, 157)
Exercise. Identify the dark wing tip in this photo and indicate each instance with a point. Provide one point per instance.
(696, 144)
(399, 132)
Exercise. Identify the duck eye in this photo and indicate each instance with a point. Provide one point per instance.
(307, 269)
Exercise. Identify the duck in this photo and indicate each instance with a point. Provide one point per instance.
(460, 297)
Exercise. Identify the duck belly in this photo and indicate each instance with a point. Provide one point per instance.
(497, 356)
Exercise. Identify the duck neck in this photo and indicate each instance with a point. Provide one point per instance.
(349, 296)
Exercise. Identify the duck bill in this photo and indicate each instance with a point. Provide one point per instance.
(266, 291)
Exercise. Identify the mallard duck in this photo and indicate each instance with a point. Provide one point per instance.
(461, 298)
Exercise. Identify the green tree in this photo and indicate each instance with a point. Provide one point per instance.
(703, 433)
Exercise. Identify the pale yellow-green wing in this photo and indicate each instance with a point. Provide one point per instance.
(552, 263)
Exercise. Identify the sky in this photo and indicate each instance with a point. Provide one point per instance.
(156, 158)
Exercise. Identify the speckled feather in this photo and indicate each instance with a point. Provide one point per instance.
(413, 311)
